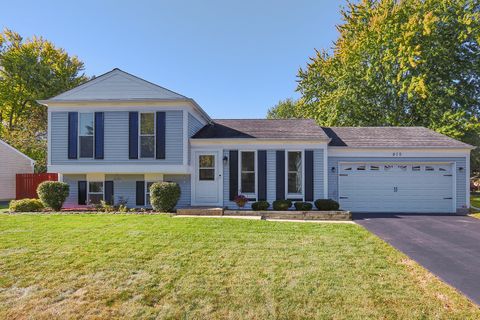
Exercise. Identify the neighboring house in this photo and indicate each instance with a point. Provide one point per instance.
(12, 162)
(113, 136)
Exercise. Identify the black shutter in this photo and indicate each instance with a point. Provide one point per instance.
(82, 192)
(133, 135)
(308, 175)
(99, 135)
(280, 155)
(109, 192)
(160, 135)
(262, 174)
(233, 185)
(140, 193)
(72, 135)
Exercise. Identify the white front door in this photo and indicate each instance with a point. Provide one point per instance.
(396, 187)
(207, 179)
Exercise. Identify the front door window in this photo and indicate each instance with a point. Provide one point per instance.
(206, 168)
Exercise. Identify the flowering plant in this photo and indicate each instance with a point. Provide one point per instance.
(240, 200)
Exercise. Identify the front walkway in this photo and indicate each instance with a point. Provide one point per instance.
(447, 245)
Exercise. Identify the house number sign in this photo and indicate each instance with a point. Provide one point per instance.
(397, 154)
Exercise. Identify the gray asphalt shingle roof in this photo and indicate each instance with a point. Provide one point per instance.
(389, 137)
(307, 129)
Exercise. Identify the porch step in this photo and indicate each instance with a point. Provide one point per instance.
(200, 211)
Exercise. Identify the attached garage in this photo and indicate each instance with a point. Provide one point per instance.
(396, 187)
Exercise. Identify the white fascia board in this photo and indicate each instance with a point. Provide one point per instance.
(119, 168)
(257, 144)
(397, 152)
(32, 162)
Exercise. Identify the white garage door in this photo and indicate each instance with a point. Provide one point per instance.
(393, 187)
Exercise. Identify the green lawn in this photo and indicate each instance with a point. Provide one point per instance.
(3, 208)
(148, 266)
(475, 200)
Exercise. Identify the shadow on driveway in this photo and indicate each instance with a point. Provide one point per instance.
(447, 245)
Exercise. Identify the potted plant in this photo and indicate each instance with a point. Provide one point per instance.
(240, 200)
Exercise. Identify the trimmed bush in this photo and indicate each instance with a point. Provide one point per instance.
(282, 205)
(53, 193)
(164, 196)
(326, 205)
(260, 205)
(26, 205)
(303, 206)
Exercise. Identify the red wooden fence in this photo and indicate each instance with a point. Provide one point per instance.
(27, 183)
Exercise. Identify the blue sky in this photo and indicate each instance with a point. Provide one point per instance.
(235, 58)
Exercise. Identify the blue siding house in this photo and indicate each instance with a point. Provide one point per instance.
(112, 137)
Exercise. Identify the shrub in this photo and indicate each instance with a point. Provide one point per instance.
(260, 205)
(326, 205)
(303, 206)
(281, 205)
(164, 196)
(53, 194)
(26, 205)
(240, 200)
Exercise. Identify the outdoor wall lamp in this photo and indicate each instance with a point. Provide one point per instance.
(460, 169)
(333, 169)
(225, 159)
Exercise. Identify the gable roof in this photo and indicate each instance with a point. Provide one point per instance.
(117, 85)
(295, 129)
(415, 137)
(9, 147)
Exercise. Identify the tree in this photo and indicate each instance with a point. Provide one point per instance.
(30, 70)
(285, 109)
(399, 63)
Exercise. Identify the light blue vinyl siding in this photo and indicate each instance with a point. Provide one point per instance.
(72, 181)
(193, 125)
(125, 188)
(116, 140)
(461, 176)
(318, 184)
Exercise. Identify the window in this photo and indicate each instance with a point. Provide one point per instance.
(429, 168)
(416, 168)
(442, 169)
(206, 168)
(147, 192)
(294, 175)
(147, 135)
(85, 135)
(374, 168)
(403, 168)
(95, 192)
(361, 168)
(247, 172)
(388, 167)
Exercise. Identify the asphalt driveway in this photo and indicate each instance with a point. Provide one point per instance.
(447, 245)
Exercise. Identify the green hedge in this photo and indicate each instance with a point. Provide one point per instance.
(326, 205)
(26, 205)
(303, 206)
(164, 196)
(282, 205)
(53, 194)
(260, 205)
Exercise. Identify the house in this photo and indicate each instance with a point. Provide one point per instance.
(12, 162)
(111, 137)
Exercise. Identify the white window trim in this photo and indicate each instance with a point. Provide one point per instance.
(295, 195)
(147, 191)
(140, 135)
(214, 168)
(88, 190)
(255, 166)
(78, 136)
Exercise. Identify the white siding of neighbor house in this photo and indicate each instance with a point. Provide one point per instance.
(11, 163)
(318, 184)
(460, 162)
(124, 188)
(116, 140)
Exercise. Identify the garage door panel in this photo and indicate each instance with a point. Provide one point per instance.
(396, 188)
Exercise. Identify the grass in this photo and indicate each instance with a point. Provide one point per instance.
(3, 207)
(475, 201)
(150, 266)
